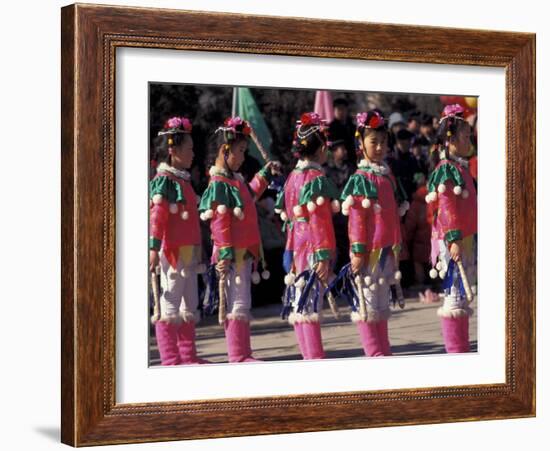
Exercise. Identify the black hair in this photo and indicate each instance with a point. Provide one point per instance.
(340, 101)
(426, 120)
(217, 140)
(362, 132)
(161, 145)
(308, 146)
(448, 127)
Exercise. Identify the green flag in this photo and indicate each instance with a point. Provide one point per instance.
(245, 107)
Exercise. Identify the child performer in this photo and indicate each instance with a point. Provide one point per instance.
(371, 199)
(175, 242)
(454, 229)
(228, 203)
(306, 209)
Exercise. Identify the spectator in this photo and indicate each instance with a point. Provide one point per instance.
(413, 124)
(403, 163)
(342, 128)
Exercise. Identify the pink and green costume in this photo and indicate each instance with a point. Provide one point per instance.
(374, 201)
(229, 204)
(452, 189)
(174, 231)
(306, 206)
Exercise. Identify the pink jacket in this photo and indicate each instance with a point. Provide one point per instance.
(452, 187)
(370, 199)
(173, 218)
(230, 204)
(306, 201)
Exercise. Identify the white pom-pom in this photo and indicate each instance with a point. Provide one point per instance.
(185, 215)
(320, 200)
(433, 273)
(183, 273)
(345, 210)
(381, 281)
(431, 197)
(377, 207)
(465, 194)
(284, 217)
(290, 278)
(201, 268)
(398, 275)
(265, 274)
(157, 199)
(173, 208)
(441, 188)
(439, 266)
(238, 280)
(221, 209)
(350, 200)
(373, 287)
(209, 214)
(442, 274)
(311, 206)
(256, 278)
(297, 210)
(405, 205)
(365, 203)
(368, 280)
(202, 216)
(457, 190)
(238, 212)
(278, 211)
(335, 206)
(301, 283)
(402, 211)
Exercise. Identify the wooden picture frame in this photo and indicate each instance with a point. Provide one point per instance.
(90, 36)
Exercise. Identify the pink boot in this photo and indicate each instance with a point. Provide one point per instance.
(167, 338)
(186, 344)
(313, 340)
(368, 333)
(237, 335)
(299, 331)
(452, 329)
(382, 327)
(465, 333)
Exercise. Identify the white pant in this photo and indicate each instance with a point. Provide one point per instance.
(239, 298)
(378, 295)
(180, 298)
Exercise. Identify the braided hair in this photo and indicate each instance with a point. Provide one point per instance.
(310, 134)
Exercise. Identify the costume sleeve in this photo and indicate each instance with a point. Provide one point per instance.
(158, 218)
(447, 214)
(358, 198)
(260, 181)
(316, 197)
(220, 226)
(163, 193)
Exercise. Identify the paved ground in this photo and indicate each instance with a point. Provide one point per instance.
(414, 330)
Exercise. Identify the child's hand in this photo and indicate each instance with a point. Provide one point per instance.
(357, 263)
(322, 269)
(153, 260)
(275, 168)
(223, 266)
(455, 250)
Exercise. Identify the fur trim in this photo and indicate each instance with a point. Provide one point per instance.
(303, 318)
(377, 315)
(172, 319)
(443, 312)
(239, 316)
(320, 200)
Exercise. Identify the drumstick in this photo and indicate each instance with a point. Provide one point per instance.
(331, 301)
(465, 282)
(222, 307)
(362, 302)
(399, 293)
(156, 296)
(259, 145)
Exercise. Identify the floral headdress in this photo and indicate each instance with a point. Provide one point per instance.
(175, 125)
(315, 123)
(234, 126)
(454, 111)
(370, 119)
